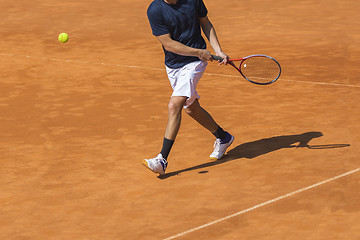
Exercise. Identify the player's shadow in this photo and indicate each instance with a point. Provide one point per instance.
(260, 147)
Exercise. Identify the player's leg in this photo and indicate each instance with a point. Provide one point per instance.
(223, 138)
(175, 107)
(201, 116)
(159, 163)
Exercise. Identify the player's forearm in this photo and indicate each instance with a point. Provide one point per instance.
(178, 48)
(181, 49)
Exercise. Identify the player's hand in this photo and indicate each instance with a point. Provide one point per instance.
(205, 55)
(224, 57)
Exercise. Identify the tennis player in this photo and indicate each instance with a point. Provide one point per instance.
(177, 25)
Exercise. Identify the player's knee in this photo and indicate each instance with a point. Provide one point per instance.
(175, 107)
(193, 108)
(189, 111)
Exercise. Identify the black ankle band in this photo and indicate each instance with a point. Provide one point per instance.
(220, 133)
(167, 145)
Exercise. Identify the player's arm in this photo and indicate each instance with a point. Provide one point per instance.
(181, 49)
(210, 34)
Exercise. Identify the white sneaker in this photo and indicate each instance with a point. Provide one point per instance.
(157, 164)
(220, 147)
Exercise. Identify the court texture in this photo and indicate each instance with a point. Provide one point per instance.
(77, 119)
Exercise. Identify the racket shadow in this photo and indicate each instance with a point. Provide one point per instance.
(260, 147)
(327, 146)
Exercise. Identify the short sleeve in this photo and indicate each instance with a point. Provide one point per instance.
(201, 9)
(156, 20)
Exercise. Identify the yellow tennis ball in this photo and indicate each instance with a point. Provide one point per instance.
(63, 37)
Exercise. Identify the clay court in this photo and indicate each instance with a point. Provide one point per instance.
(77, 119)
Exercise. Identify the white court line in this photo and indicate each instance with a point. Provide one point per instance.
(161, 69)
(322, 83)
(261, 205)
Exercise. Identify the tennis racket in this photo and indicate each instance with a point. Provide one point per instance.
(258, 69)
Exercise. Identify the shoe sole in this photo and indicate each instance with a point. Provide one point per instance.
(214, 158)
(144, 162)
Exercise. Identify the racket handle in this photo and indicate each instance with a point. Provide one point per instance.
(217, 58)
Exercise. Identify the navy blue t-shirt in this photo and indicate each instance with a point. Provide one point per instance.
(181, 21)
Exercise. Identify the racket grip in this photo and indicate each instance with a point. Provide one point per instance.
(217, 58)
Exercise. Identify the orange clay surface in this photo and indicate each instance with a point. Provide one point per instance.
(77, 119)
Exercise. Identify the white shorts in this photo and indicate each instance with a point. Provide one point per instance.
(184, 80)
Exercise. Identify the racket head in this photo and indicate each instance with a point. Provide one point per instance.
(260, 69)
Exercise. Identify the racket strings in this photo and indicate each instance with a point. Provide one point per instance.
(260, 69)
